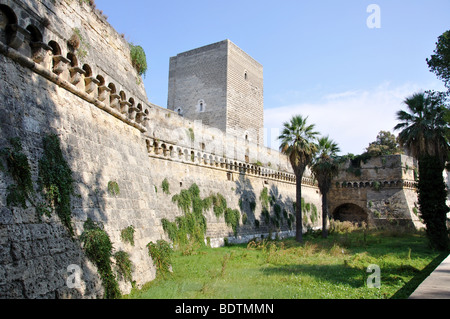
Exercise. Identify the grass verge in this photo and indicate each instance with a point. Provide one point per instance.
(332, 268)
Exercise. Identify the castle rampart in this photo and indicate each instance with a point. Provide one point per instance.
(109, 132)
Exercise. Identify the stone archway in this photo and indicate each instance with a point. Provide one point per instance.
(350, 212)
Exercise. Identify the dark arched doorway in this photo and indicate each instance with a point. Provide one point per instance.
(350, 212)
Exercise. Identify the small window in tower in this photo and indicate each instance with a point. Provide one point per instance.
(245, 75)
(201, 106)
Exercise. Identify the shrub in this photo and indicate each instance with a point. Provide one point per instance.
(161, 254)
(138, 59)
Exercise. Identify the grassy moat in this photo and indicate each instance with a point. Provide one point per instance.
(332, 268)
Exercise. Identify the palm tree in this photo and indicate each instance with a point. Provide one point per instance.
(325, 167)
(424, 136)
(297, 143)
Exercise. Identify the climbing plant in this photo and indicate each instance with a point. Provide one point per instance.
(127, 235)
(18, 166)
(232, 217)
(191, 227)
(55, 178)
(98, 248)
(161, 254)
(165, 186)
(124, 265)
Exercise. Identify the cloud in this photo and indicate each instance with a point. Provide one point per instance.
(351, 118)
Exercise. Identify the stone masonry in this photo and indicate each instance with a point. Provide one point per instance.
(220, 85)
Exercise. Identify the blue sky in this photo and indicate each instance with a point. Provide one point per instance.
(320, 58)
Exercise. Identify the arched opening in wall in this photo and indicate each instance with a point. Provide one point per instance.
(73, 59)
(56, 49)
(36, 35)
(123, 96)
(101, 80)
(245, 75)
(350, 212)
(88, 70)
(7, 17)
(112, 87)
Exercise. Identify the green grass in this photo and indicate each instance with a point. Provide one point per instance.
(333, 268)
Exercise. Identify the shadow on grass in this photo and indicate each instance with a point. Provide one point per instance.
(412, 285)
(336, 274)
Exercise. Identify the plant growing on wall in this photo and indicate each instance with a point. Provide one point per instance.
(138, 59)
(190, 228)
(78, 44)
(55, 178)
(20, 170)
(124, 265)
(232, 217)
(127, 235)
(98, 248)
(113, 188)
(264, 197)
(161, 254)
(219, 204)
(165, 186)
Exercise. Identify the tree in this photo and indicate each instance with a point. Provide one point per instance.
(424, 135)
(324, 167)
(439, 63)
(385, 144)
(297, 143)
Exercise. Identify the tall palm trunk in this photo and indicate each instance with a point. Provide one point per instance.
(298, 209)
(324, 214)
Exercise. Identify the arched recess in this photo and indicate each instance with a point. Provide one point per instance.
(350, 212)
(7, 17)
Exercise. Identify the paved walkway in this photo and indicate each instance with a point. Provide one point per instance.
(436, 285)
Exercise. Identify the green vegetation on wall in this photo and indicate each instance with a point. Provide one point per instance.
(19, 168)
(124, 265)
(55, 178)
(138, 58)
(165, 186)
(98, 248)
(113, 188)
(127, 235)
(161, 254)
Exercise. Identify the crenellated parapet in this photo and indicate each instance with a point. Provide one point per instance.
(26, 38)
(191, 156)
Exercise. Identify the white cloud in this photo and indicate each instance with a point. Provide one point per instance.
(352, 118)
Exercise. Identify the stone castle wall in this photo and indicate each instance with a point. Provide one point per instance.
(109, 132)
(381, 191)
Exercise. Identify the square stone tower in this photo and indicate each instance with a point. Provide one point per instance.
(220, 85)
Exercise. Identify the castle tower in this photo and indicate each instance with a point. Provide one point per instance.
(220, 85)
